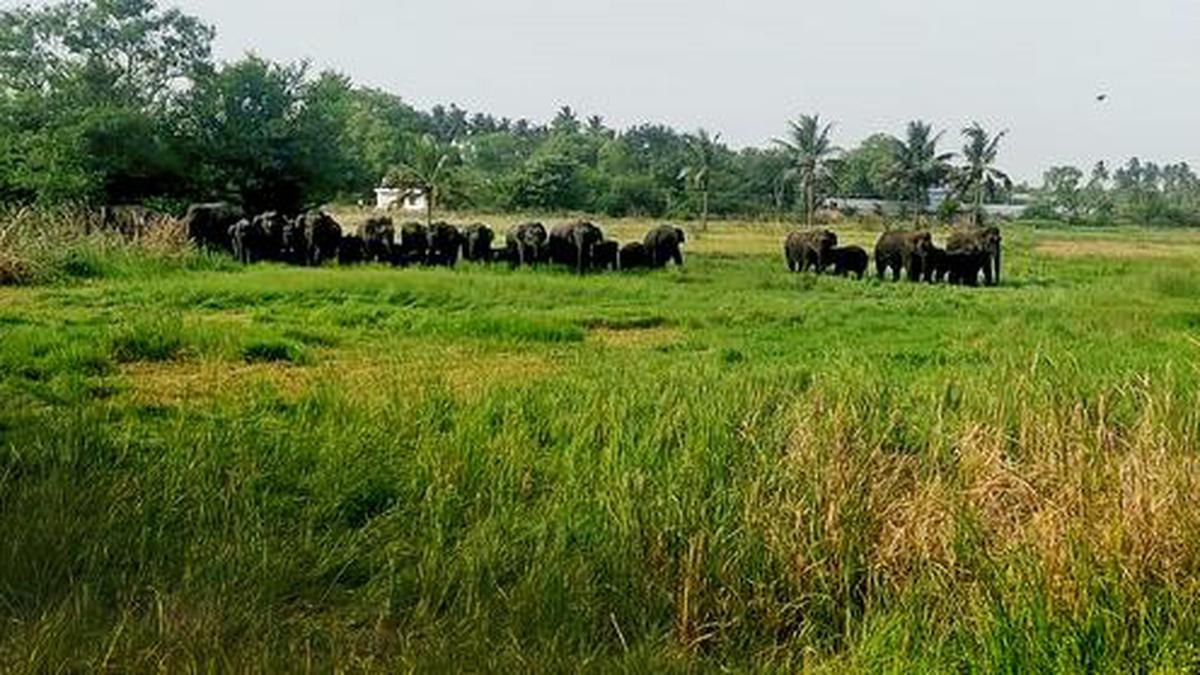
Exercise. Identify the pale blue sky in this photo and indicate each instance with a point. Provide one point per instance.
(743, 68)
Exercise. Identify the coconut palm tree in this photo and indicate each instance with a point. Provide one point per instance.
(811, 158)
(428, 167)
(979, 175)
(917, 166)
(702, 151)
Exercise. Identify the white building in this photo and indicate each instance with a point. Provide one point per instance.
(405, 199)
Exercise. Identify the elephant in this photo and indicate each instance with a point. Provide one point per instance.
(351, 250)
(445, 242)
(633, 256)
(526, 244)
(278, 232)
(812, 248)
(985, 241)
(249, 241)
(572, 244)
(320, 237)
(663, 244)
(208, 224)
(604, 255)
(477, 243)
(499, 254)
(902, 251)
(936, 265)
(963, 266)
(413, 248)
(379, 239)
(849, 260)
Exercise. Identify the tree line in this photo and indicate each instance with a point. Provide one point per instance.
(117, 102)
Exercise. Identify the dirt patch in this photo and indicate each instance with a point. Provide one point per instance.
(1072, 248)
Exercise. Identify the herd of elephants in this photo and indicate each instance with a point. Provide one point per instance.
(314, 238)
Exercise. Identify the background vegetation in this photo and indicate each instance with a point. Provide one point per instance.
(121, 102)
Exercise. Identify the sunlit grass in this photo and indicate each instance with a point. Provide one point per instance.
(723, 465)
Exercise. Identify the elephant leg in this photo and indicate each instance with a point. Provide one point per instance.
(987, 271)
(678, 255)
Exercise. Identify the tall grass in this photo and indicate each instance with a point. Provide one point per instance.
(42, 245)
(724, 466)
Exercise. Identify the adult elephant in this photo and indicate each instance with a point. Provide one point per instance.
(477, 243)
(208, 224)
(351, 250)
(809, 249)
(980, 241)
(902, 251)
(278, 236)
(413, 248)
(249, 242)
(572, 244)
(379, 239)
(320, 237)
(445, 242)
(526, 244)
(664, 244)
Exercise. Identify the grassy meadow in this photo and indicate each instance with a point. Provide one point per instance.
(205, 467)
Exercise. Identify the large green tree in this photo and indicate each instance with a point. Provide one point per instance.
(430, 165)
(979, 176)
(811, 158)
(918, 166)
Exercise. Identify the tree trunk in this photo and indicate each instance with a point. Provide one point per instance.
(704, 211)
(429, 206)
(978, 205)
(808, 203)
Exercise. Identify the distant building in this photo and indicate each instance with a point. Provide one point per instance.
(405, 199)
(935, 198)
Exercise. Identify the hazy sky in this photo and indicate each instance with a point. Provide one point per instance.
(743, 68)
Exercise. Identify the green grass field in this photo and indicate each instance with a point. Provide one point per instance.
(723, 465)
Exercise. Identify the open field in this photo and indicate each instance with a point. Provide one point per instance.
(722, 465)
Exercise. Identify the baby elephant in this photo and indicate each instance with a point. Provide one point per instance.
(849, 260)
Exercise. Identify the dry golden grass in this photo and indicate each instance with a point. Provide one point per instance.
(1117, 248)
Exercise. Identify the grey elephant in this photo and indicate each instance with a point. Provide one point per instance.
(849, 260)
(811, 249)
(445, 242)
(634, 256)
(980, 241)
(477, 243)
(320, 237)
(379, 239)
(276, 228)
(573, 243)
(936, 265)
(249, 242)
(526, 244)
(902, 251)
(664, 244)
(351, 250)
(207, 225)
(413, 246)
